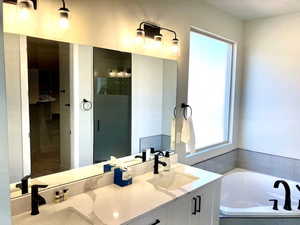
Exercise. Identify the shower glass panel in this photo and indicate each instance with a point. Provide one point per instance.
(112, 104)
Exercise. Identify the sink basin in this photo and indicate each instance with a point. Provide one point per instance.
(172, 180)
(67, 216)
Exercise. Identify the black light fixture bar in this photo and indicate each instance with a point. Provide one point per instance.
(15, 2)
(151, 29)
(11, 1)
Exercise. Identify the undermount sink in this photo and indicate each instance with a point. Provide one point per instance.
(67, 216)
(172, 180)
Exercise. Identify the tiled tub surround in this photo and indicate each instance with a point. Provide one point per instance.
(113, 205)
(23, 203)
(220, 164)
(255, 161)
(158, 142)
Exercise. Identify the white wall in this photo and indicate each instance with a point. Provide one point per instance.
(147, 98)
(112, 24)
(86, 132)
(169, 94)
(270, 116)
(4, 174)
(14, 117)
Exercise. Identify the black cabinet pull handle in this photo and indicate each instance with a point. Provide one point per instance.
(68, 105)
(98, 125)
(195, 206)
(156, 222)
(199, 203)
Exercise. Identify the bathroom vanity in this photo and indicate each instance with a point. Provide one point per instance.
(183, 196)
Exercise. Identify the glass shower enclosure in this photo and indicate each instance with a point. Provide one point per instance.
(112, 104)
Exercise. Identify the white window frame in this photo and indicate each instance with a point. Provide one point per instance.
(207, 152)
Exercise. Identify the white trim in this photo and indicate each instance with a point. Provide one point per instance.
(75, 105)
(26, 151)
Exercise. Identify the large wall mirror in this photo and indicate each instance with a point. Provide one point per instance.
(72, 106)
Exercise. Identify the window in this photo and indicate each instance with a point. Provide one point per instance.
(210, 85)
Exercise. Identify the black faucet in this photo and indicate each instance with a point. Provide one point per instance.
(287, 203)
(157, 162)
(143, 156)
(36, 199)
(24, 184)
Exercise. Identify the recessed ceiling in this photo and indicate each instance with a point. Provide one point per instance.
(252, 9)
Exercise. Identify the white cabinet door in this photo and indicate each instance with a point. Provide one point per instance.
(155, 217)
(179, 211)
(205, 205)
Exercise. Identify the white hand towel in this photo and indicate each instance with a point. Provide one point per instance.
(188, 135)
(173, 134)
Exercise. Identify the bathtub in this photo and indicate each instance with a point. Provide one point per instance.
(246, 194)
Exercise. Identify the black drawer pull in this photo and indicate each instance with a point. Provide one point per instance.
(199, 203)
(156, 222)
(98, 125)
(195, 206)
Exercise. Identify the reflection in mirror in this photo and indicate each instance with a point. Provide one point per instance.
(72, 106)
(112, 104)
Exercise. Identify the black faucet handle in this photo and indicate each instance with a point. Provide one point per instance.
(275, 204)
(26, 178)
(37, 186)
(152, 150)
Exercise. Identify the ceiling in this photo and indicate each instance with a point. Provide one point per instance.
(252, 9)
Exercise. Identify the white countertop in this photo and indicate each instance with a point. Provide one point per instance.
(114, 205)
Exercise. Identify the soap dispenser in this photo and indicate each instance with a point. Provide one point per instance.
(122, 176)
(168, 161)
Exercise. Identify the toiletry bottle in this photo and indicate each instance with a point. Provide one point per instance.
(168, 161)
(152, 153)
(66, 194)
(57, 198)
(148, 154)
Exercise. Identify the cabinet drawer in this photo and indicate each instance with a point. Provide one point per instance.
(155, 217)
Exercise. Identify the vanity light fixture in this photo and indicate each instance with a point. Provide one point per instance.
(152, 31)
(25, 6)
(64, 16)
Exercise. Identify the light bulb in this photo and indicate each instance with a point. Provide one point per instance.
(140, 36)
(64, 18)
(24, 9)
(157, 40)
(175, 45)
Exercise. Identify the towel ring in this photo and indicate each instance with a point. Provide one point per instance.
(86, 105)
(185, 108)
(175, 112)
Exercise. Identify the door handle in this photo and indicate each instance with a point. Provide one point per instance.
(195, 206)
(68, 105)
(199, 203)
(156, 222)
(98, 125)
